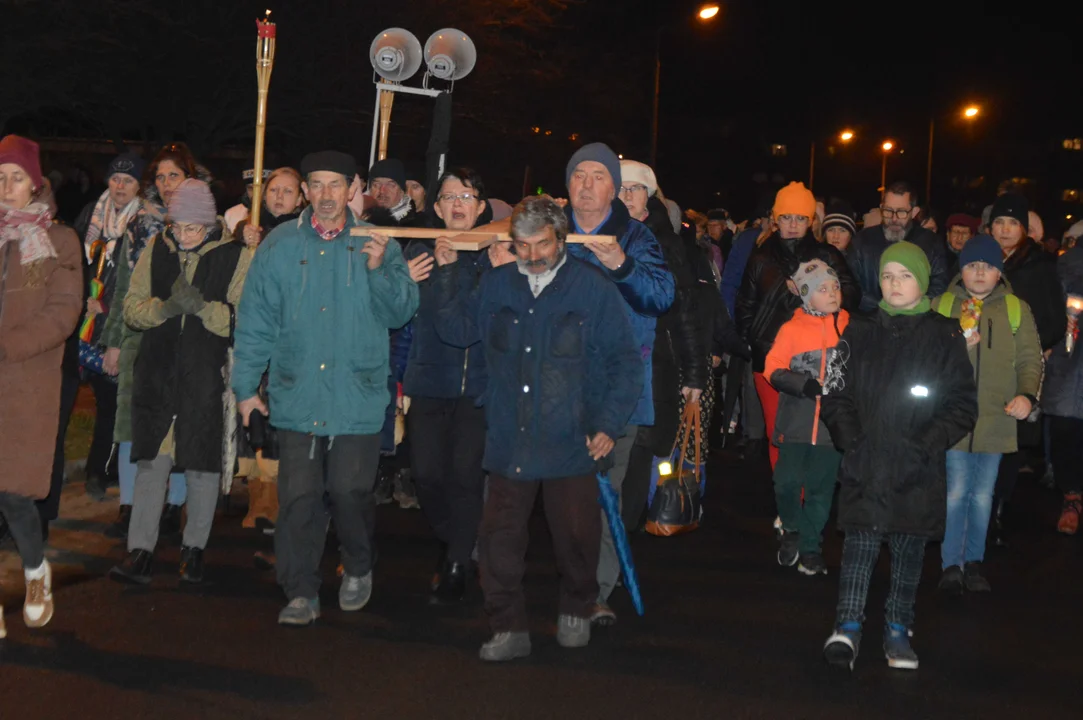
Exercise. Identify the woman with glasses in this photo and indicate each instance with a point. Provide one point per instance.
(444, 382)
(183, 294)
(172, 165)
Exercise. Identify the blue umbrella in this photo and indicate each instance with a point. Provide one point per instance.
(607, 496)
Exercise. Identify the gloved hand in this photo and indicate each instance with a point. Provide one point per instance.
(185, 297)
(812, 389)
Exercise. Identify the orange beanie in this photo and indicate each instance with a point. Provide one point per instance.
(795, 199)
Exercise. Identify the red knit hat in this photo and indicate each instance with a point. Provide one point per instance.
(24, 153)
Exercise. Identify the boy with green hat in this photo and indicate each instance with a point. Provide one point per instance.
(907, 396)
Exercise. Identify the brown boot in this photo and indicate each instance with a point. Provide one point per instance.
(255, 495)
(269, 501)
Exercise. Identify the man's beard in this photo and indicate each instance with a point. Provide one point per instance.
(894, 233)
(537, 267)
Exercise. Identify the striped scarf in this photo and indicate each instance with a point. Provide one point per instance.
(30, 228)
(108, 223)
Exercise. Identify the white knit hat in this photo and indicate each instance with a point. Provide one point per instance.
(637, 172)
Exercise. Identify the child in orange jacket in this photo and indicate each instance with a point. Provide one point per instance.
(803, 365)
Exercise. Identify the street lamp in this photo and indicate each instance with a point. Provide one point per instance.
(845, 136)
(706, 13)
(970, 112)
(886, 147)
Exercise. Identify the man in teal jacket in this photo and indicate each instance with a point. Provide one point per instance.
(317, 305)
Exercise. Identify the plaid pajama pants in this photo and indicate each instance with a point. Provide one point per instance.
(860, 552)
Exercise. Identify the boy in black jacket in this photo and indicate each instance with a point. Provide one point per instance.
(908, 396)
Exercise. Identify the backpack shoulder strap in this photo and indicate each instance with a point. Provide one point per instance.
(947, 300)
(1015, 313)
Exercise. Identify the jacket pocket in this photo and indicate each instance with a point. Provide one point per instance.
(504, 330)
(566, 336)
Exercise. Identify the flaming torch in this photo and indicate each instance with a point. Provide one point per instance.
(265, 61)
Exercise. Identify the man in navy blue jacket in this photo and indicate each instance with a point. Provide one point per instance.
(636, 266)
(565, 373)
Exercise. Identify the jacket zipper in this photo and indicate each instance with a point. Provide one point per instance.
(990, 333)
(977, 378)
(823, 366)
(466, 363)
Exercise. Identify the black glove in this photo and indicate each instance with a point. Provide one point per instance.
(812, 389)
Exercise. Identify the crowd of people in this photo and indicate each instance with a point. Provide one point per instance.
(302, 347)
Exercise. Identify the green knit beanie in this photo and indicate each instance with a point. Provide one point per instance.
(912, 258)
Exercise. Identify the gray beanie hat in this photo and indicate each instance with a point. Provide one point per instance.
(596, 152)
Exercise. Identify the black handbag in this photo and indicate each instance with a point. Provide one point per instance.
(676, 507)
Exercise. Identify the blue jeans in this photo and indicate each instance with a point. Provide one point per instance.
(971, 480)
(178, 485)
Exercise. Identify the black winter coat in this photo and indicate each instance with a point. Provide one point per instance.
(908, 396)
(764, 302)
(680, 337)
(1032, 273)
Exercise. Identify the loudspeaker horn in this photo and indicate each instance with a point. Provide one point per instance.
(450, 54)
(395, 54)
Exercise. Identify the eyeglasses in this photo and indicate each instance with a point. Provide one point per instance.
(629, 189)
(188, 230)
(895, 212)
(792, 219)
(462, 197)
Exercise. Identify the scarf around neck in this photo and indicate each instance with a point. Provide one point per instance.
(30, 228)
(108, 223)
(921, 307)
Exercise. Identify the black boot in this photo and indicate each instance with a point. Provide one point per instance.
(999, 539)
(452, 585)
(95, 487)
(191, 565)
(135, 569)
(119, 529)
(170, 526)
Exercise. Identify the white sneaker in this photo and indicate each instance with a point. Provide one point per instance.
(38, 608)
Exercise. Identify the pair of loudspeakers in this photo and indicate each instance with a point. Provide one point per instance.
(396, 54)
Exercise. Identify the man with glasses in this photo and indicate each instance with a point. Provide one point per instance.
(961, 227)
(897, 208)
(765, 301)
(444, 382)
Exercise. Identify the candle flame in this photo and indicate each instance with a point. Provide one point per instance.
(268, 14)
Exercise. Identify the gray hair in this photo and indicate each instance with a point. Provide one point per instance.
(534, 214)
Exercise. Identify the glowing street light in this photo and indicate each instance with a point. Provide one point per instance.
(708, 11)
(846, 135)
(971, 112)
(887, 147)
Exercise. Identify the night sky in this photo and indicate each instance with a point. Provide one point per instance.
(760, 73)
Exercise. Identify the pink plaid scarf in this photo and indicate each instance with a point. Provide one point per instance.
(30, 227)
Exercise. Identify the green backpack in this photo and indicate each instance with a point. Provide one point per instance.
(1015, 313)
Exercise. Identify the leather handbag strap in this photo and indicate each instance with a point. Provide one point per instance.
(4, 279)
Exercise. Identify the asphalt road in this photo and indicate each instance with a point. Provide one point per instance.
(727, 633)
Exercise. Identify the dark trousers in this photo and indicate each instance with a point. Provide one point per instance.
(24, 524)
(101, 448)
(49, 506)
(344, 468)
(814, 469)
(448, 444)
(637, 486)
(571, 509)
(860, 552)
(1066, 451)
